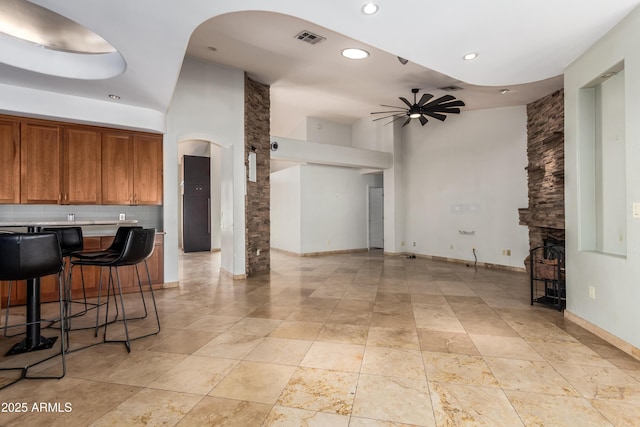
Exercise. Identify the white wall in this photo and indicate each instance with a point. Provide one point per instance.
(285, 209)
(327, 132)
(333, 208)
(327, 154)
(208, 105)
(317, 208)
(370, 135)
(467, 174)
(611, 221)
(615, 278)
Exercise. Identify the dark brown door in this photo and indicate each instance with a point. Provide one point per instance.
(196, 229)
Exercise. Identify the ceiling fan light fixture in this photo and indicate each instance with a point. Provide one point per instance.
(419, 109)
(355, 53)
(369, 8)
(470, 56)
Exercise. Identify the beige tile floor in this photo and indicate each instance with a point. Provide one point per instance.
(342, 340)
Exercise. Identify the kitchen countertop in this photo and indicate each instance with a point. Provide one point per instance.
(62, 223)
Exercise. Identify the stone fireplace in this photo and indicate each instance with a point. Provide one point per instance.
(545, 171)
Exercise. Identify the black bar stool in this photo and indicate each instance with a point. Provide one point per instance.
(114, 249)
(71, 241)
(138, 247)
(29, 256)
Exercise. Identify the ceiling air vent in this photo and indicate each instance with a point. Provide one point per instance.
(309, 37)
(451, 88)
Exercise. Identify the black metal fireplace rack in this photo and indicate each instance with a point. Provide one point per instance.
(547, 272)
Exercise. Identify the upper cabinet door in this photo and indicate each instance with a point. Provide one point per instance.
(41, 163)
(147, 170)
(117, 173)
(82, 167)
(9, 161)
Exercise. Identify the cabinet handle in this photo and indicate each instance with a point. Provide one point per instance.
(209, 215)
(59, 197)
(66, 197)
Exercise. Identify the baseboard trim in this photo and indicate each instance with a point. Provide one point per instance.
(310, 254)
(601, 333)
(462, 261)
(229, 274)
(169, 285)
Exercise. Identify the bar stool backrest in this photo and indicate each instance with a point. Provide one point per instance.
(29, 255)
(70, 239)
(121, 238)
(138, 246)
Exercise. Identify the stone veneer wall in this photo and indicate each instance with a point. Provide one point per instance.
(545, 170)
(257, 129)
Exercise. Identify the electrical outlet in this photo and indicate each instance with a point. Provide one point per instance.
(258, 252)
(402, 243)
(451, 246)
(414, 243)
(506, 252)
(328, 242)
(592, 292)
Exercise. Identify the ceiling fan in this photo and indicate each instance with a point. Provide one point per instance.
(437, 108)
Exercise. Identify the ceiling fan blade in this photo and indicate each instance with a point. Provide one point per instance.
(441, 100)
(451, 111)
(435, 115)
(423, 120)
(393, 106)
(406, 102)
(397, 118)
(406, 122)
(386, 117)
(425, 97)
(392, 111)
(456, 103)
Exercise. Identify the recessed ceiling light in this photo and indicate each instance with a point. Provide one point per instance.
(469, 56)
(504, 91)
(354, 53)
(608, 75)
(113, 96)
(369, 8)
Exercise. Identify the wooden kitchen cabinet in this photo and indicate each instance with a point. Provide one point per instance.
(9, 161)
(147, 170)
(131, 169)
(117, 161)
(46, 162)
(41, 163)
(60, 165)
(82, 164)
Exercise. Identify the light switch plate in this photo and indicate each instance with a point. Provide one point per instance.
(636, 210)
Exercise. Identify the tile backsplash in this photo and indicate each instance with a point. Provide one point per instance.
(147, 216)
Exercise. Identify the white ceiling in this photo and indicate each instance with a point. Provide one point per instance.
(316, 81)
(523, 45)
